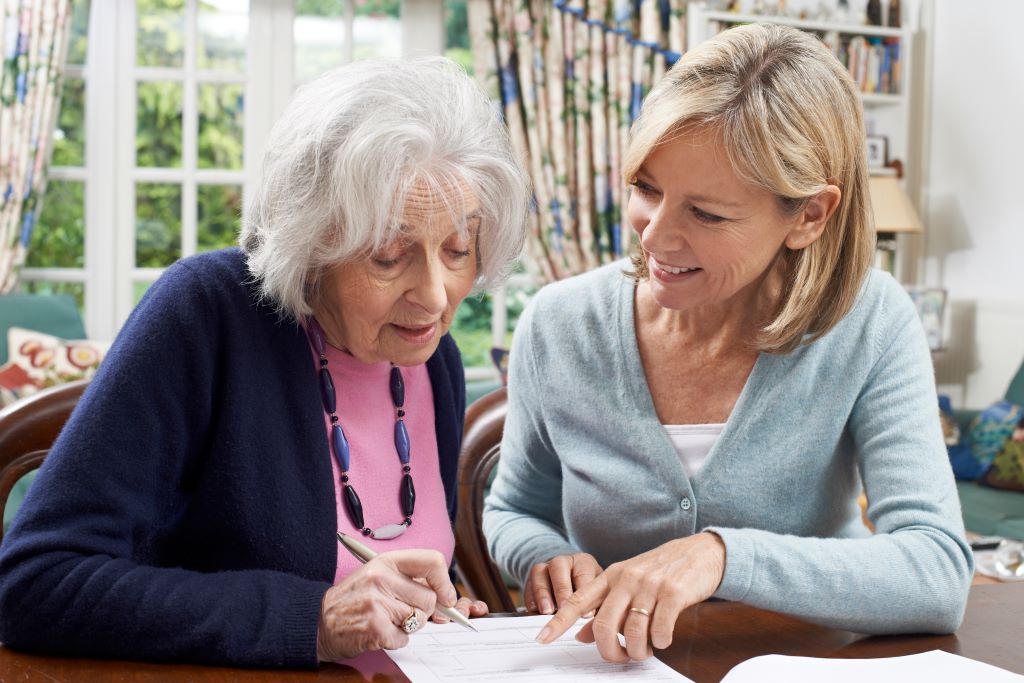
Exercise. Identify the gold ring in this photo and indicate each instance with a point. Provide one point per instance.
(640, 610)
(411, 623)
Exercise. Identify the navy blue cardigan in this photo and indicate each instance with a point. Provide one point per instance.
(187, 510)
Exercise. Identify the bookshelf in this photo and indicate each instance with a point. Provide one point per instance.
(880, 60)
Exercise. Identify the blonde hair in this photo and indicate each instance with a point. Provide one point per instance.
(346, 152)
(791, 121)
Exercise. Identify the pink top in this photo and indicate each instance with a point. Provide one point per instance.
(367, 415)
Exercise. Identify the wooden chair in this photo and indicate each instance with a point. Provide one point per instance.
(481, 447)
(28, 428)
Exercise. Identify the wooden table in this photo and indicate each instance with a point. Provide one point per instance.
(710, 639)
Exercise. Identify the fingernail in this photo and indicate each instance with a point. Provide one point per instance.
(544, 633)
(589, 614)
(453, 597)
(545, 607)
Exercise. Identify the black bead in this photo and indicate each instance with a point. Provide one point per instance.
(344, 478)
(354, 507)
(334, 419)
(406, 468)
(401, 413)
(323, 362)
(327, 390)
(408, 495)
(366, 531)
(408, 521)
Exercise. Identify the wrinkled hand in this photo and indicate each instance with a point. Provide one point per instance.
(664, 581)
(551, 583)
(468, 608)
(366, 610)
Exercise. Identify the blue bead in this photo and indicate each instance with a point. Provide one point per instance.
(340, 447)
(397, 387)
(402, 441)
(327, 390)
(317, 336)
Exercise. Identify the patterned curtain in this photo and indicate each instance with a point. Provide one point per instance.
(570, 76)
(33, 43)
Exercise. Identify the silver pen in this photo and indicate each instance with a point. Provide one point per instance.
(364, 554)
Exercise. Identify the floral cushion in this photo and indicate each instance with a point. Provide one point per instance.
(983, 439)
(1007, 470)
(40, 360)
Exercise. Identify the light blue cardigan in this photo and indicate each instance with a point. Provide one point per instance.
(585, 464)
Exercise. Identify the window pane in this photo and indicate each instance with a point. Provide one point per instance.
(69, 137)
(223, 29)
(158, 135)
(220, 216)
(220, 125)
(77, 41)
(157, 224)
(75, 289)
(472, 330)
(58, 239)
(161, 37)
(139, 288)
(456, 34)
(319, 37)
(377, 30)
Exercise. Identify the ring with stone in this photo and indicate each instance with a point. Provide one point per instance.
(640, 610)
(411, 622)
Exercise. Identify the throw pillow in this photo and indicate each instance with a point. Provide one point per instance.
(983, 439)
(1007, 471)
(40, 360)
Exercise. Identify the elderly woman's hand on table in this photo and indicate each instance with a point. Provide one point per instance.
(661, 582)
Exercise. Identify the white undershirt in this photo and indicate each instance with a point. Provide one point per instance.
(693, 443)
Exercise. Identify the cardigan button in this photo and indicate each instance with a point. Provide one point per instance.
(684, 504)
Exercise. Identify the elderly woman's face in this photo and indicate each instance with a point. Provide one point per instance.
(709, 234)
(398, 303)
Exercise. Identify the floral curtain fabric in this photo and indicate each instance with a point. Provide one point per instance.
(570, 76)
(33, 44)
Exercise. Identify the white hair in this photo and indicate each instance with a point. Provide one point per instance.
(343, 156)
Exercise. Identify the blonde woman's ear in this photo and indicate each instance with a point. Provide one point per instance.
(814, 217)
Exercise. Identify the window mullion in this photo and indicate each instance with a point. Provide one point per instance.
(125, 126)
(190, 133)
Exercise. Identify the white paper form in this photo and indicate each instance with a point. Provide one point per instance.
(505, 650)
(936, 666)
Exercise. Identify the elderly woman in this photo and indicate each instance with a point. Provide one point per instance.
(259, 400)
(704, 427)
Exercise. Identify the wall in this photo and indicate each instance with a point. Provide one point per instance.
(972, 191)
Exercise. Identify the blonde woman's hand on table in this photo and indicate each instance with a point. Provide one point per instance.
(641, 597)
(551, 583)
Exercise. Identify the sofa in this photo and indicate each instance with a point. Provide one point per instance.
(986, 510)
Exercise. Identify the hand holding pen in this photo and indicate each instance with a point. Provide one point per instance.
(443, 612)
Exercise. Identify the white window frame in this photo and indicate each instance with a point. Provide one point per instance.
(109, 172)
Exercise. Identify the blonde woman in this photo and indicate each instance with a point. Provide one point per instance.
(704, 426)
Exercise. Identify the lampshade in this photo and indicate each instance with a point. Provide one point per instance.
(891, 206)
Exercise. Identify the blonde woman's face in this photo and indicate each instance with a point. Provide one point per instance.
(398, 303)
(709, 235)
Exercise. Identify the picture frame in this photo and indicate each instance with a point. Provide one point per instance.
(876, 148)
(930, 303)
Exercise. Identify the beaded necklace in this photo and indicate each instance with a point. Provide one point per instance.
(339, 445)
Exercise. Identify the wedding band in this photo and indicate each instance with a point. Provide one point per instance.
(640, 610)
(411, 622)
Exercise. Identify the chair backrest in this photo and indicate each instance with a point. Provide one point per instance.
(28, 428)
(481, 447)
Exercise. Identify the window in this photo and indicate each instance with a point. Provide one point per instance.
(151, 161)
